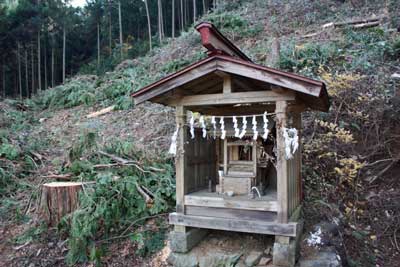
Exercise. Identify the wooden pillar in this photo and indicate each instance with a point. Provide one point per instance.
(225, 156)
(254, 156)
(298, 157)
(227, 85)
(180, 159)
(183, 238)
(282, 163)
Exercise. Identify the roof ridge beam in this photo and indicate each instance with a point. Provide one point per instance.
(217, 43)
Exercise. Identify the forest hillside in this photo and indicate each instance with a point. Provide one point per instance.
(351, 154)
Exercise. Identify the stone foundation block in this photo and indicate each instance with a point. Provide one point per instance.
(183, 242)
(284, 253)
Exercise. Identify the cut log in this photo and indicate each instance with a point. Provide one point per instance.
(366, 25)
(100, 112)
(395, 76)
(59, 199)
(354, 22)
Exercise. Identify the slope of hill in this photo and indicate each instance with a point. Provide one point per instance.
(351, 159)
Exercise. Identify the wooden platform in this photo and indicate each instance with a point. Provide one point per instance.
(238, 225)
(203, 198)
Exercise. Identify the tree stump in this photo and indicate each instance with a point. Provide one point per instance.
(59, 199)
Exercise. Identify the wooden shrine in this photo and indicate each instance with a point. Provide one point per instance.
(223, 182)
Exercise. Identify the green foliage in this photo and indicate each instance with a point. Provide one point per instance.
(8, 151)
(234, 24)
(175, 65)
(358, 51)
(85, 142)
(76, 92)
(12, 119)
(112, 205)
(10, 209)
(308, 58)
(366, 49)
(6, 183)
(393, 49)
(149, 242)
(31, 234)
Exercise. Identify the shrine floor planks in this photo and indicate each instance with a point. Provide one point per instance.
(203, 198)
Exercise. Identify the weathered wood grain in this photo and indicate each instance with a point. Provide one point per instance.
(237, 225)
(235, 98)
(231, 202)
(231, 213)
(282, 164)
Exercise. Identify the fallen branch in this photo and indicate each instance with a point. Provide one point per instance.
(28, 206)
(66, 176)
(395, 76)
(118, 164)
(124, 235)
(22, 246)
(145, 195)
(116, 158)
(312, 34)
(373, 19)
(355, 24)
(366, 25)
(37, 155)
(124, 162)
(100, 112)
(379, 161)
(147, 191)
(388, 167)
(156, 169)
(101, 166)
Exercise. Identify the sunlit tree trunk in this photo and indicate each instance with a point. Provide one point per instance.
(63, 56)
(110, 31)
(32, 70)
(19, 71)
(15, 92)
(194, 11)
(160, 21)
(182, 19)
(4, 80)
(45, 65)
(98, 46)
(26, 73)
(38, 58)
(204, 7)
(52, 65)
(148, 22)
(173, 19)
(120, 29)
(186, 6)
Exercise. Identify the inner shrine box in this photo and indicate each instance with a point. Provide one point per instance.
(223, 182)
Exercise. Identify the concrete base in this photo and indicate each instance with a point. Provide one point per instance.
(284, 252)
(184, 241)
(225, 249)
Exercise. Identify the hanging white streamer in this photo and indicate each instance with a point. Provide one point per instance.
(255, 132)
(243, 133)
(172, 147)
(223, 132)
(266, 131)
(203, 126)
(214, 124)
(291, 141)
(191, 123)
(235, 126)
